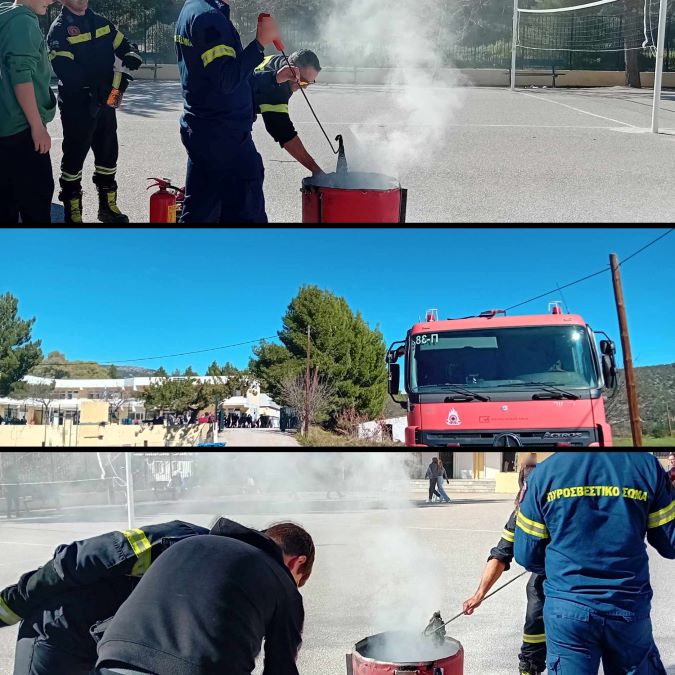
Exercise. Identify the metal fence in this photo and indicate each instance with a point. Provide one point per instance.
(153, 31)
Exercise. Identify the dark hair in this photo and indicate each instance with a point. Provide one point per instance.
(305, 58)
(294, 540)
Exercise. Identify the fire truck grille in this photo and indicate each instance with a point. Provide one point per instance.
(509, 439)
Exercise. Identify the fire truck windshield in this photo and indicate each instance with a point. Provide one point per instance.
(559, 356)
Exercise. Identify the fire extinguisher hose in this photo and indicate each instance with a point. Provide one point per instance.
(489, 595)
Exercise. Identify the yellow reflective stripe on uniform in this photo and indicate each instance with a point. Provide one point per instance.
(117, 80)
(104, 170)
(82, 37)
(534, 639)
(7, 616)
(141, 546)
(67, 55)
(71, 176)
(531, 527)
(661, 517)
(508, 535)
(261, 67)
(182, 40)
(103, 30)
(281, 108)
(216, 52)
(118, 40)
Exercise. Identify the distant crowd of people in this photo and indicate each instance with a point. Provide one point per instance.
(13, 420)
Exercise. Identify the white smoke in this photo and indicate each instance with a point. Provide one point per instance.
(408, 37)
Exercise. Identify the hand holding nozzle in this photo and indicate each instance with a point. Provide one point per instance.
(268, 32)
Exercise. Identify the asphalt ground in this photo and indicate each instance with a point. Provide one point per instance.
(375, 570)
(536, 155)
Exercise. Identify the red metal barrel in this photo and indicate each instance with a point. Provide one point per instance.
(353, 197)
(369, 656)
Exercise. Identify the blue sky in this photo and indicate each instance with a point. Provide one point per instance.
(110, 295)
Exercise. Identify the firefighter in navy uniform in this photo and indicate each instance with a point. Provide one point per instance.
(83, 46)
(76, 592)
(272, 95)
(224, 182)
(582, 523)
(532, 655)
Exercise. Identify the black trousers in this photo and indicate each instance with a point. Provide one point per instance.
(36, 656)
(533, 652)
(433, 482)
(224, 181)
(13, 503)
(26, 181)
(87, 126)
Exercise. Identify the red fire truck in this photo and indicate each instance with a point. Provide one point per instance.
(504, 381)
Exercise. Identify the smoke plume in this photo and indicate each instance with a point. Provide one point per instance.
(408, 39)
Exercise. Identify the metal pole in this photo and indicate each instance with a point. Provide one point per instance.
(631, 388)
(307, 384)
(658, 73)
(514, 43)
(670, 425)
(130, 490)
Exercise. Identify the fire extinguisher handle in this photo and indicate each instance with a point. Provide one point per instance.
(277, 43)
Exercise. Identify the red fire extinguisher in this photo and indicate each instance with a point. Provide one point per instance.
(165, 204)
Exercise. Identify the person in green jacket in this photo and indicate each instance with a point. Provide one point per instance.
(27, 105)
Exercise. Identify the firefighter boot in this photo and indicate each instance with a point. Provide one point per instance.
(72, 206)
(108, 211)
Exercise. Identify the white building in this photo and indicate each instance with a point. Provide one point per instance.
(123, 396)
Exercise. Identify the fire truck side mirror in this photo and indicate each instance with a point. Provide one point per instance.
(394, 378)
(607, 347)
(609, 371)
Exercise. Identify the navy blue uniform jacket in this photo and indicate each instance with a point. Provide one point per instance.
(86, 582)
(583, 522)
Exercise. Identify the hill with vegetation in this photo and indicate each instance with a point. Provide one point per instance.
(656, 395)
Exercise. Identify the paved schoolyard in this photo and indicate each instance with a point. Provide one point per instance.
(560, 155)
(376, 570)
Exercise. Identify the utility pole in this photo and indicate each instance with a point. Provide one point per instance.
(631, 387)
(670, 425)
(307, 382)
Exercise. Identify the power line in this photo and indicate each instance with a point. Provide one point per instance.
(559, 288)
(651, 243)
(590, 276)
(164, 356)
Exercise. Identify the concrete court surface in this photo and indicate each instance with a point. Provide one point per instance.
(257, 438)
(369, 566)
(536, 155)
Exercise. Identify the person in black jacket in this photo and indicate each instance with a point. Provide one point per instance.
(81, 587)
(532, 656)
(205, 606)
(273, 94)
(83, 46)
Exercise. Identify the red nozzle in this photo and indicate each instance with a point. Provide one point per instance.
(277, 43)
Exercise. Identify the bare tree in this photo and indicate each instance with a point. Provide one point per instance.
(116, 398)
(43, 393)
(316, 401)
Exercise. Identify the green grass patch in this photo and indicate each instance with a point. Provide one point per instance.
(320, 438)
(647, 441)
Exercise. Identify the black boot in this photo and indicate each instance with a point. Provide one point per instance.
(108, 211)
(72, 206)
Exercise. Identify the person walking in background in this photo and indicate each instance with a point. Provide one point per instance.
(12, 492)
(442, 476)
(28, 105)
(671, 467)
(432, 476)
